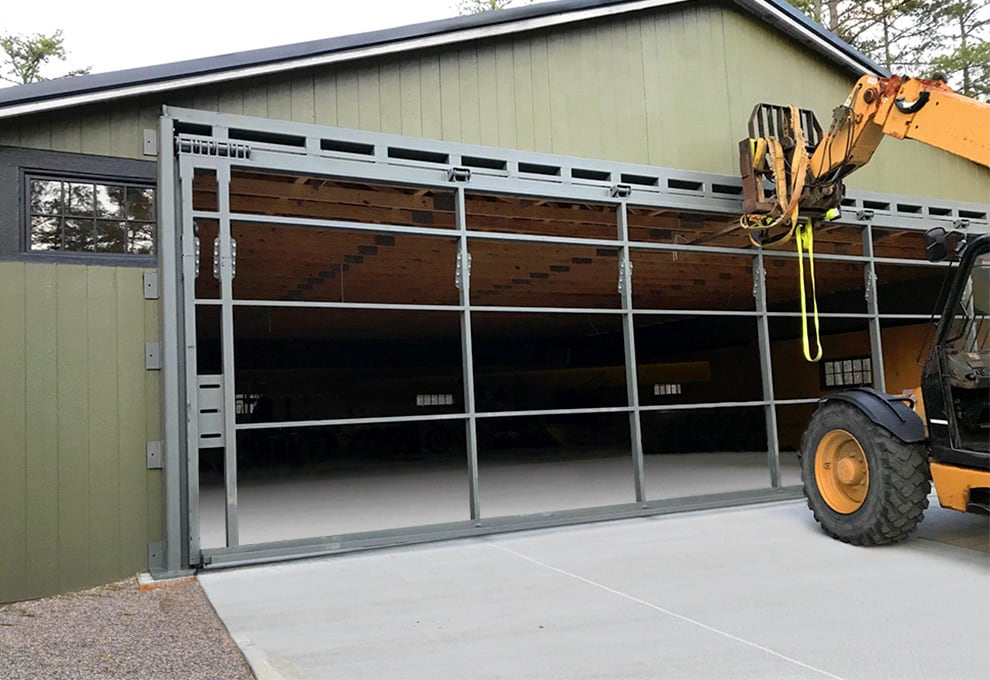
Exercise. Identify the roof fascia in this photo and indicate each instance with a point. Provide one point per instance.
(772, 11)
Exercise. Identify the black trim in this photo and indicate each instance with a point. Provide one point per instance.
(16, 164)
(778, 17)
(889, 411)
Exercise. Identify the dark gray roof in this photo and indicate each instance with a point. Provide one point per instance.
(774, 12)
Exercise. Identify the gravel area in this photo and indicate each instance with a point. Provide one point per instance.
(117, 631)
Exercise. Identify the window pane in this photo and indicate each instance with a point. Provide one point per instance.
(45, 234)
(78, 234)
(111, 236)
(80, 199)
(46, 197)
(141, 238)
(140, 204)
(109, 201)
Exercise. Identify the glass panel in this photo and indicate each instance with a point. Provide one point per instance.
(899, 243)
(45, 234)
(541, 464)
(141, 238)
(315, 364)
(109, 201)
(81, 199)
(111, 237)
(207, 285)
(658, 225)
(679, 280)
(547, 361)
(506, 273)
(682, 360)
(212, 501)
(140, 204)
(840, 285)
(693, 452)
(911, 289)
(522, 215)
(204, 190)
(792, 420)
(46, 197)
(327, 481)
(78, 234)
(340, 265)
(269, 193)
(796, 378)
(837, 239)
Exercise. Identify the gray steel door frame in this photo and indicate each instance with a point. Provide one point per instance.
(504, 171)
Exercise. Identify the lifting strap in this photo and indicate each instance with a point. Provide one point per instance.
(784, 214)
(806, 238)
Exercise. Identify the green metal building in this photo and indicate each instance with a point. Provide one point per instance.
(538, 125)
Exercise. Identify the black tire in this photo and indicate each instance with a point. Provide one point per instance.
(898, 478)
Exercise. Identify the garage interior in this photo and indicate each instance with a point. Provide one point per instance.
(349, 352)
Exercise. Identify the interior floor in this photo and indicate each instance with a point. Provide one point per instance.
(298, 505)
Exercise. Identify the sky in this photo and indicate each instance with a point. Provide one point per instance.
(109, 35)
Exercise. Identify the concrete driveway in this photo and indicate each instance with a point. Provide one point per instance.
(757, 592)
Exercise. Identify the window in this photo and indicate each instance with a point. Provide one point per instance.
(852, 372)
(79, 215)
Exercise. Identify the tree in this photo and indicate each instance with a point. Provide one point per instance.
(479, 6)
(916, 37)
(24, 56)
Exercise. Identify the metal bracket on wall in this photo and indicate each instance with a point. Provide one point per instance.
(150, 147)
(153, 356)
(154, 454)
(150, 280)
(156, 556)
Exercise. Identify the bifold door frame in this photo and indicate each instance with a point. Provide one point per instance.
(191, 140)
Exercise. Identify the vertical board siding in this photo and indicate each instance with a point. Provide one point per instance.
(13, 465)
(74, 488)
(672, 86)
(40, 447)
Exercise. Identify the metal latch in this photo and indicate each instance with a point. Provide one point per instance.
(620, 191)
(864, 215)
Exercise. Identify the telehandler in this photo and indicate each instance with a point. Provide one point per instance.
(868, 458)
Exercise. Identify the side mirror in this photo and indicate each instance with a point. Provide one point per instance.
(936, 249)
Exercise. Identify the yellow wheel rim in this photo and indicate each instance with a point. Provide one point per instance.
(841, 471)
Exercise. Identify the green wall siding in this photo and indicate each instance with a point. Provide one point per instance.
(79, 505)
(671, 87)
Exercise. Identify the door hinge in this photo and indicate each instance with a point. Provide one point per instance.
(625, 272)
(460, 277)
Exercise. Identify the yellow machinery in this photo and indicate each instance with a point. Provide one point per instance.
(866, 461)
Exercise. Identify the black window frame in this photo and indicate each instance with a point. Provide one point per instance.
(18, 166)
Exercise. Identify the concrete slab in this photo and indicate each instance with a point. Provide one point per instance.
(750, 593)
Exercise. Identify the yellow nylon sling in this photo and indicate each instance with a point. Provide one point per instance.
(806, 239)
